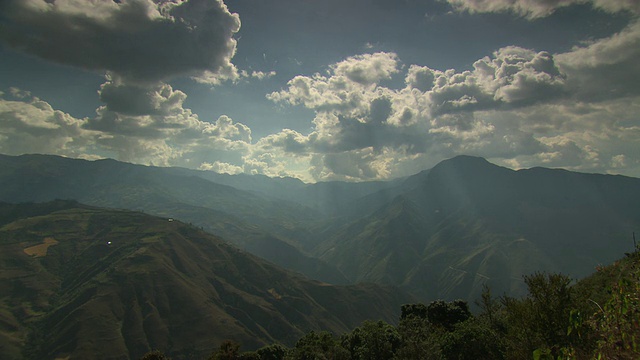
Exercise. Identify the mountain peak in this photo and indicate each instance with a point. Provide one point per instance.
(464, 160)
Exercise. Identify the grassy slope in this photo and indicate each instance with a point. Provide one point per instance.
(121, 283)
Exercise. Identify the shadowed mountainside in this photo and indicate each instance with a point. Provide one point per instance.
(85, 281)
(467, 222)
(248, 219)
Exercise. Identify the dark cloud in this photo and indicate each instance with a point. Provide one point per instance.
(139, 40)
(605, 69)
(533, 9)
(141, 100)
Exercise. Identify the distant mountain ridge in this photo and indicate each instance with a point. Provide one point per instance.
(468, 222)
(250, 220)
(83, 282)
(442, 233)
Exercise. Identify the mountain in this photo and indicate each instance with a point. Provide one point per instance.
(249, 219)
(81, 282)
(467, 223)
(442, 233)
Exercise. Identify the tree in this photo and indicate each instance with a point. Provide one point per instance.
(617, 324)
(447, 314)
(228, 350)
(472, 339)
(272, 352)
(372, 340)
(318, 346)
(540, 321)
(155, 355)
(417, 335)
(413, 311)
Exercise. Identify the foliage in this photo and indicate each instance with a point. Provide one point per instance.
(448, 314)
(617, 324)
(155, 355)
(372, 340)
(554, 321)
(418, 337)
(542, 319)
(472, 339)
(318, 346)
(228, 350)
(272, 352)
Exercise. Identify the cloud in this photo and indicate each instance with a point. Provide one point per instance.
(141, 41)
(605, 69)
(168, 134)
(135, 100)
(30, 125)
(367, 69)
(222, 168)
(345, 88)
(364, 122)
(533, 9)
(517, 106)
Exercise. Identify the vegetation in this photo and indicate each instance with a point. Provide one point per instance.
(597, 318)
(122, 283)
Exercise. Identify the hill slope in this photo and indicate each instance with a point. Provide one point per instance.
(248, 219)
(85, 282)
(468, 222)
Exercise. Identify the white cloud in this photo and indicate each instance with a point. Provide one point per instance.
(516, 106)
(30, 125)
(367, 69)
(221, 168)
(172, 135)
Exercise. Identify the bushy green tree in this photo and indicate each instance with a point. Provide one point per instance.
(318, 346)
(540, 322)
(446, 314)
(617, 324)
(155, 355)
(417, 335)
(372, 340)
(472, 339)
(272, 352)
(228, 350)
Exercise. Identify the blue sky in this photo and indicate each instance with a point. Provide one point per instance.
(324, 90)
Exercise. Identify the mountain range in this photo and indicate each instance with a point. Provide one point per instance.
(442, 233)
(81, 282)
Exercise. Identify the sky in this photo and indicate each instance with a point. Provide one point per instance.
(351, 90)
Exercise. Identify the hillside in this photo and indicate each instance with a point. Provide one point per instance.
(249, 219)
(467, 223)
(442, 233)
(80, 281)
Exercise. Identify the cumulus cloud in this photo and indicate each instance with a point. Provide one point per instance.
(533, 9)
(221, 168)
(164, 133)
(361, 120)
(517, 106)
(346, 87)
(141, 41)
(28, 124)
